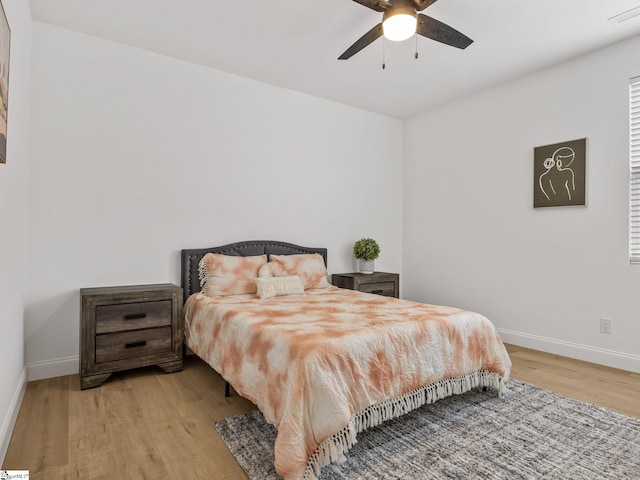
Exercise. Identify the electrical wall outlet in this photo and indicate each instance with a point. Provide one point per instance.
(605, 325)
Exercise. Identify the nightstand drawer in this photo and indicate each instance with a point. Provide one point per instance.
(132, 316)
(381, 288)
(379, 283)
(135, 343)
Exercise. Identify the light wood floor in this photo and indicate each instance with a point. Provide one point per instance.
(145, 424)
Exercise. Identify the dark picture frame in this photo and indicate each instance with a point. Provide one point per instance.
(559, 174)
(5, 51)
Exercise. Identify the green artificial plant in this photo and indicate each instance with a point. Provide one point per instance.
(366, 249)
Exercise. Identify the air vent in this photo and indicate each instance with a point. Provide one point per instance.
(624, 16)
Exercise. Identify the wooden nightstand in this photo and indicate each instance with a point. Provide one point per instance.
(129, 327)
(381, 283)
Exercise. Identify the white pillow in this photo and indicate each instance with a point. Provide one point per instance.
(275, 286)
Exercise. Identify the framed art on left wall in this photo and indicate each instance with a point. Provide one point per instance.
(560, 174)
(5, 44)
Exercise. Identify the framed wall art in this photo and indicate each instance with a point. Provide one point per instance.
(5, 49)
(559, 174)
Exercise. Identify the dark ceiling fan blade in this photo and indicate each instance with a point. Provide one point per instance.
(377, 5)
(368, 38)
(422, 4)
(441, 32)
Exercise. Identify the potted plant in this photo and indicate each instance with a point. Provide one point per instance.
(366, 250)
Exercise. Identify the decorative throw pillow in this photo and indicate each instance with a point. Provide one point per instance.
(228, 275)
(275, 286)
(309, 267)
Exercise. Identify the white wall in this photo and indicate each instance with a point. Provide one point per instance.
(136, 156)
(472, 238)
(13, 221)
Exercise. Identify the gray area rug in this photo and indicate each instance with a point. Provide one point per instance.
(529, 433)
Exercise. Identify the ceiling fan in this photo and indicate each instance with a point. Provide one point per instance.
(401, 20)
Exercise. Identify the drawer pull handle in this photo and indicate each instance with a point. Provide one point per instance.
(377, 292)
(135, 344)
(135, 316)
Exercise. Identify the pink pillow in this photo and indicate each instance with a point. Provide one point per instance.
(309, 267)
(228, 275)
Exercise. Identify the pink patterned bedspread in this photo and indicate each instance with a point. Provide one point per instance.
(311, 362)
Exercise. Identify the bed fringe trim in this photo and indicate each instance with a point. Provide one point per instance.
(202, 275)
(334, 447)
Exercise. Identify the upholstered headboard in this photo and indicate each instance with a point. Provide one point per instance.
(191, 257)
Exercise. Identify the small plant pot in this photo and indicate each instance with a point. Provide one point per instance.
(365, 266)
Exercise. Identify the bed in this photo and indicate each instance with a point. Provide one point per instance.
(325, 363)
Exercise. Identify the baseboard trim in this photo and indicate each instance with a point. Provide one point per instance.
(12, 415)
(53, 368)
(601, 356)
(610, 358)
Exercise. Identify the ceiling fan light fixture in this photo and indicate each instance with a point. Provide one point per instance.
(399, 24)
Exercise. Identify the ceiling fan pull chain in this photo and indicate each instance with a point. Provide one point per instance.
(416, 35)
(384, 64)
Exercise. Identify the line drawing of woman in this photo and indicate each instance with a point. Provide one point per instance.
(561, 176)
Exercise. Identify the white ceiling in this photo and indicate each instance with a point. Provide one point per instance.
(295, 43)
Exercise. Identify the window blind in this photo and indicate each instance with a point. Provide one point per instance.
(634, 165)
